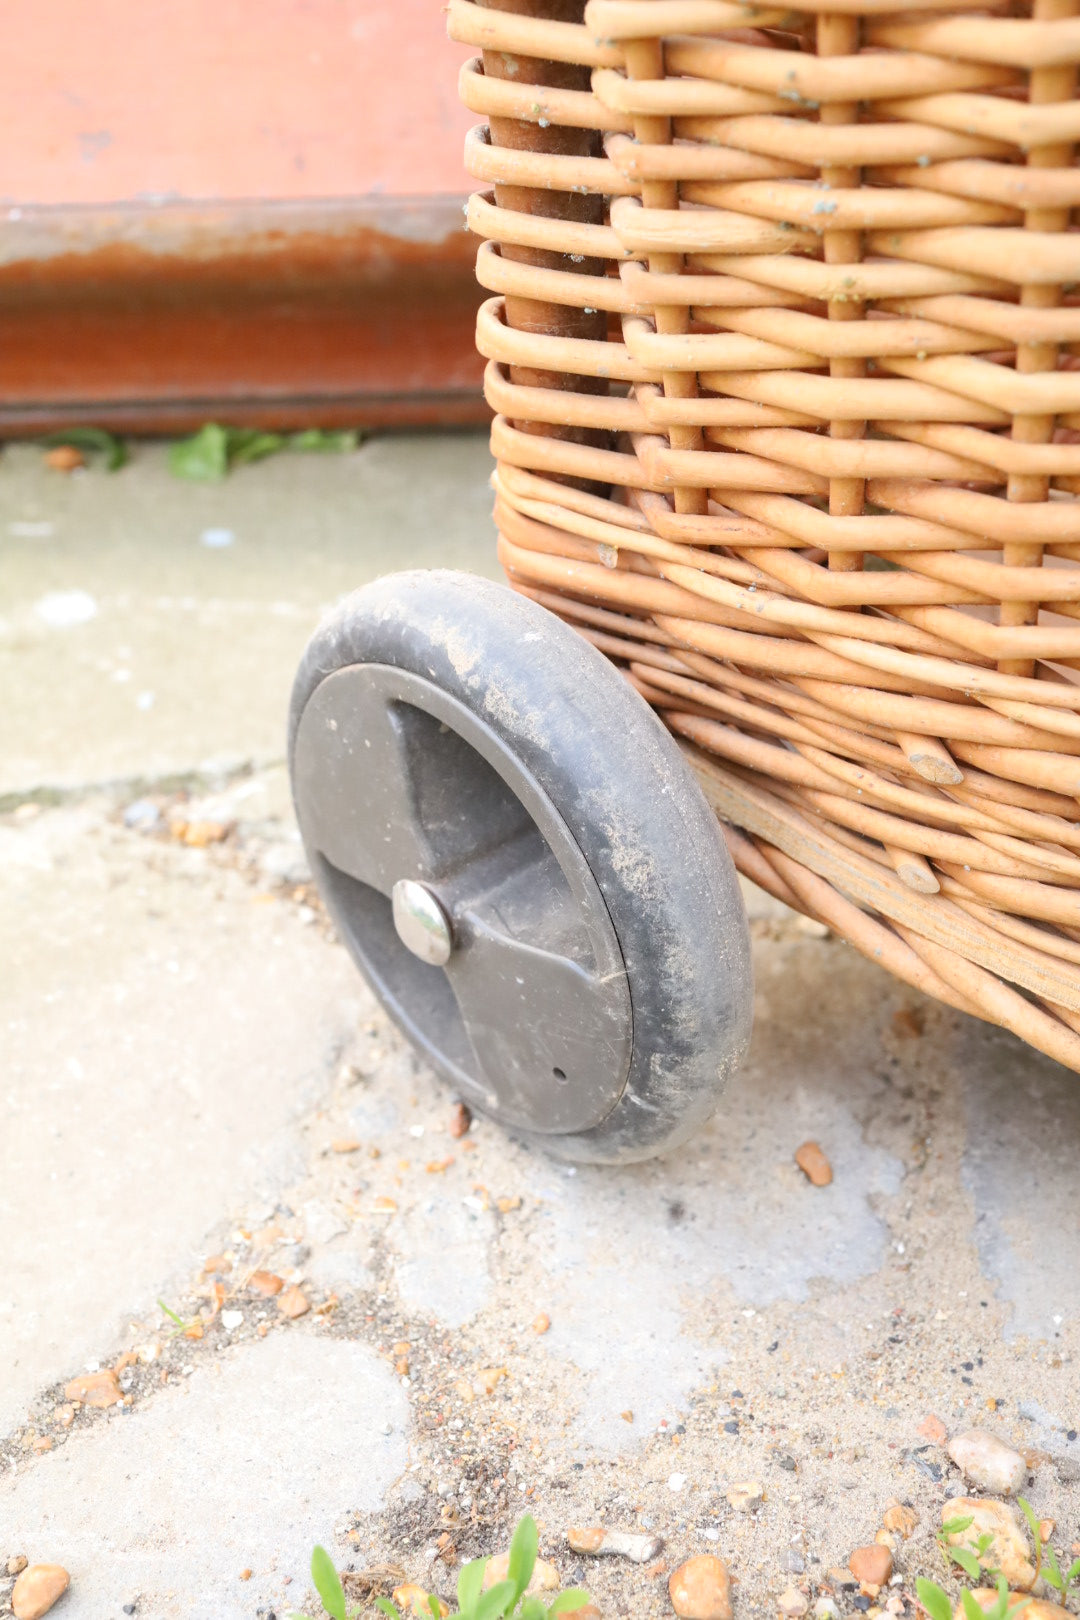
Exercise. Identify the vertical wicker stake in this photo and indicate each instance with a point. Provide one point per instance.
(529, 314)
(838, 35)
(645, 60)
(1045, 84)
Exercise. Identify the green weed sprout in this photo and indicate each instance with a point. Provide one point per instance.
(938, 1604)
(503, 1599)
(1052, 1573)
(968, 1558)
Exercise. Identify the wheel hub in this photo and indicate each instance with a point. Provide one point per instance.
(464, 897)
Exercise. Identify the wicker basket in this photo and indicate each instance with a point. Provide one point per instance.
(784, 350)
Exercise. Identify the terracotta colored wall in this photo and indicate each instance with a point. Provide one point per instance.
(121, 100)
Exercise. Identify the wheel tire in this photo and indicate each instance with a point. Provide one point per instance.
(627, 799)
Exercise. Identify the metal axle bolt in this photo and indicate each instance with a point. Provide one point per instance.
(422, 925)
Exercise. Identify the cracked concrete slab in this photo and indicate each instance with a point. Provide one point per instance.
(165, 1023)
(712, 1317)
(241, 1469)
(441, 1262)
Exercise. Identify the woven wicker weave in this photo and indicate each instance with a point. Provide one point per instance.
(785, 353)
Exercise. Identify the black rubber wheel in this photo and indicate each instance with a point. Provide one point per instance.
(521, 863)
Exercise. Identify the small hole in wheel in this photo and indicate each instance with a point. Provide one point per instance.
(560, 1074)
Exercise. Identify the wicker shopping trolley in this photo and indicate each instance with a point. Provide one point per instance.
(783, 344)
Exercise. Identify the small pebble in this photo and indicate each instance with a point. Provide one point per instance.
(900, 1520)
(792, 1603)
(460, 1120)
(813, 1164)
(541, 1323)
(64, 458)
(872, 1565)
(142, 815)
(744, 1498)
(293, 1302)
(545, 1577)
(599, 1542)
(931, 1428)
(94, 1389)
(17, 1564)
(37, 1589)
(487, 1378)
(266, 1283)
(700, 1589)
(987, 1462)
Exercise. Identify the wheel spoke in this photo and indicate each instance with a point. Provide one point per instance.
(355, 795)
(540, 1019)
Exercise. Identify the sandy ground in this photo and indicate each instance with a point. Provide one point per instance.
(191, 1070)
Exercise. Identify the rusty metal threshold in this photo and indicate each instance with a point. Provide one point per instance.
(156, 316)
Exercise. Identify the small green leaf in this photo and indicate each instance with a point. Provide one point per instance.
(202, 459)
(1073, 1572)
(470, 1584)
(319, 439)
(575, 1597)
(1029, 1514)
(984, 1543)
(953, 1527)
(1052, 1572)
(433, 1605)
(1005, 1609)
(933, 1599)
(327, 1584)
(1033, 1526)
(179, 1320)
(249, 444)
(106, 444)
(971, 1608)
(496, 1601)
(967, 1561)
(523, 1550)
(391, 1610)
(532, 1609)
